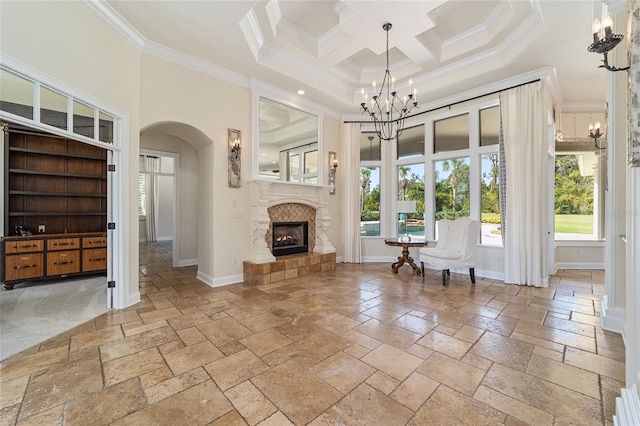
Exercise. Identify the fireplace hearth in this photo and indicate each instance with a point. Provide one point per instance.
(290, 238)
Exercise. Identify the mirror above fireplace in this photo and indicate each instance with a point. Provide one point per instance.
(288, 143)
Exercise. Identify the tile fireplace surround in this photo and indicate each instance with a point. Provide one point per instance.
(260, 259)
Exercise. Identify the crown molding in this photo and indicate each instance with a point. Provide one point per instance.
(252, 33)
(200, 65)
(112, 17)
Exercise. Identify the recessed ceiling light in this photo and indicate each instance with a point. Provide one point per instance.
(300, 92)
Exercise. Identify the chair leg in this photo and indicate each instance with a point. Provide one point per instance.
(444, 276)
(472, 273)
(422, 265)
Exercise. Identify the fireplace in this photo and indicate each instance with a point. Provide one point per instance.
(290, 238)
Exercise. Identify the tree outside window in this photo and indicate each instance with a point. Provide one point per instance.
(574, 200)
(452, 188)
(370, 201)
(411, 188)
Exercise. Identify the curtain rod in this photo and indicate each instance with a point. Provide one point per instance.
(454, 103)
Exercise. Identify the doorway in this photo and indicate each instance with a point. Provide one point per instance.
(158, 200)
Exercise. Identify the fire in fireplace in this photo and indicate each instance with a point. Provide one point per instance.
(290, 238)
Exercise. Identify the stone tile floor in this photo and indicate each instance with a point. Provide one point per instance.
(358, 346)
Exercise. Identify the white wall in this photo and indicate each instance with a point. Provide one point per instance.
(165, 208)
(207, 107)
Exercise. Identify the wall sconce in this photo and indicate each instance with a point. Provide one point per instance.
(594, 133)
(234, 158)
(604, 45)
(333, 165)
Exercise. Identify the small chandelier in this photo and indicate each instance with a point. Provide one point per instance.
(607, 43)
(387, 110)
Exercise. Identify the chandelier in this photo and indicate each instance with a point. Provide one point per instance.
(387, 110)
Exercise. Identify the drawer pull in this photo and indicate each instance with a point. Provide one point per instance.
(100, 259)
(63, 244)
(24, 266)
(29, 246)
(96, 242)
(66, 262)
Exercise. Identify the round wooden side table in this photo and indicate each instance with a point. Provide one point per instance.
(405, 258)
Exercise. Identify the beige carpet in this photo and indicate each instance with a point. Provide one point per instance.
(32, 313)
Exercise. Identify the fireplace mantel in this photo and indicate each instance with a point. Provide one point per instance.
(265, 194)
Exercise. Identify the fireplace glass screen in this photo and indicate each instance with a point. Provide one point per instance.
(290, 238)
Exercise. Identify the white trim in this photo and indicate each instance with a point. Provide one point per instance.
(187, 262)
(611, 319)
(112, 17)
(579, 243)
(379, 259)
(579, 265)
(228, 280)
(133, 299)
(221, 281)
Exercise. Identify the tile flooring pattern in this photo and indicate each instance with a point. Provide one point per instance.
(358, 346)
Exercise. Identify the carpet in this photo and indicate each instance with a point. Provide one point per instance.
(34, 312)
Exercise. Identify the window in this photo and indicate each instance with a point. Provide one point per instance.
(490, 200)
(450, 170)
(410, 143)
(574, 196)
(452, 188)
(17, 98)
(370, 167)
(16, 95)
(466, 170)
(370, 201)
(411, 188)
(451, 134)
(53, 108)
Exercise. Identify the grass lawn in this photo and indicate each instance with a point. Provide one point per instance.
(574, 223)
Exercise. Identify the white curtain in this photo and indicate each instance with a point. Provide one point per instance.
(351, 143)
(152, 166)
(525, 178)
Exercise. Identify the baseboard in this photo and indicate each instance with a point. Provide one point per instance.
(339, 259)
(187, 262)
(219, 282)
(611, 319)
(164, 239)
(479, 273)
(379, 259)
(579, 265)
(230, 279)
(204, 278)
(142, 240)
(133, 299)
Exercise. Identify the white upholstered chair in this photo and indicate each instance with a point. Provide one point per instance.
(456, 247)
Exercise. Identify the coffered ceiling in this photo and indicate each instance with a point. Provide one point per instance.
(331, 49)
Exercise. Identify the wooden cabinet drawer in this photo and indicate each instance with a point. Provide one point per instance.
(63, 244)
(23, 246)
(94, 260)
(63, 262)
(23, 266)
(91, 242)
